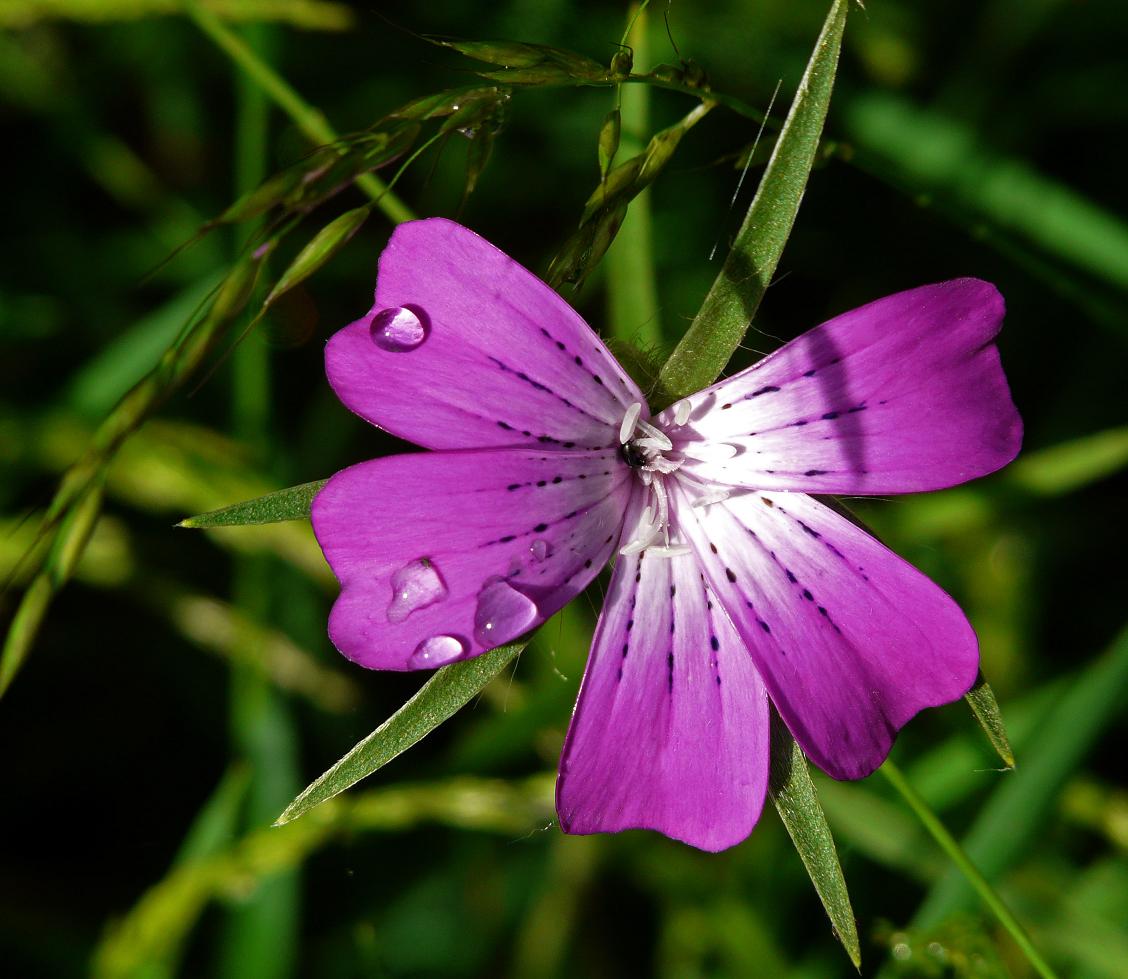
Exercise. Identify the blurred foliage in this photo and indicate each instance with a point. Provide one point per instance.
(966, 139)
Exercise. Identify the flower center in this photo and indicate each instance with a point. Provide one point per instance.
(642, 446)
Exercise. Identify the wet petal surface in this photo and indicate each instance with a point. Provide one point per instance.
(465, 348)
(444, 555)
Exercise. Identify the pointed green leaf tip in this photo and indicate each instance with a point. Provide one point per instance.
(724, 317)
(793, 793)
(322, 247)
(438, 699)
(292, 503)
(981, 699)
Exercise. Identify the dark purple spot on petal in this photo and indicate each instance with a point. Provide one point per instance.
(714, 643)
(768, 389)
(730, 574)
(540, 528)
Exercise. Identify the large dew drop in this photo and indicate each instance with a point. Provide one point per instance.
(540, 549)
(399, 329)
(437, 651)
(503, 613)
(415, 586)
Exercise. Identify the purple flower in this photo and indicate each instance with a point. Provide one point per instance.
(731, 585)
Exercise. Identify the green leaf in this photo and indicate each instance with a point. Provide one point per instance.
(320, 248)
(981, 698)
(793, 793)
(437, 700)
(724, 317)
(292, 503)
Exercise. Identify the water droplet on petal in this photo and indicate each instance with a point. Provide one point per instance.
(540, 549)
(503, 613)
(416, 585)
(436, 651)
(399, 329)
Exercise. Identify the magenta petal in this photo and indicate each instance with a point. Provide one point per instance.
(444, 555)
(903, 395)
(671, 728)
(850, 640)
(465, 348)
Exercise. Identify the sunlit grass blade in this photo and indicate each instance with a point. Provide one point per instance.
(795, 799)
(724, 317)
(1011, 820)
(437, 700)
(981, 699)
(1068, 466)
(292, 503)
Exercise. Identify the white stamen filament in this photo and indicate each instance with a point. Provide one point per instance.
(681, 412)
(630, 419)
(652, 534)
(660, 438)
(670, 550)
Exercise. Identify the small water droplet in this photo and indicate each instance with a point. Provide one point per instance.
(436, 651)
(503, 613)
(540, 549)
(416, 585)
(399, 329)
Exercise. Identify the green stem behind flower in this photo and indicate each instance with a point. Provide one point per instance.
(308, 119)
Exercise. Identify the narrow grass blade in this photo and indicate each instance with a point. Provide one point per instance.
(981, 699)
(967, 868)
(438, 699)
(928, 153)
(1010, 822)
(793, 793)
(724, 317)
(292, 503)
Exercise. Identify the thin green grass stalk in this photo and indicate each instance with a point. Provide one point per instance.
(632, 289)
(308, 119)
(261, 933)
(952, 848)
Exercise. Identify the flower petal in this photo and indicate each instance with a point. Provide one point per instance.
(903, 395)
(671, 727)
(444, 555)
(482, 353)
(850, 640)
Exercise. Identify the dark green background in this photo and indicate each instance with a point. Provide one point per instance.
(980, 139)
